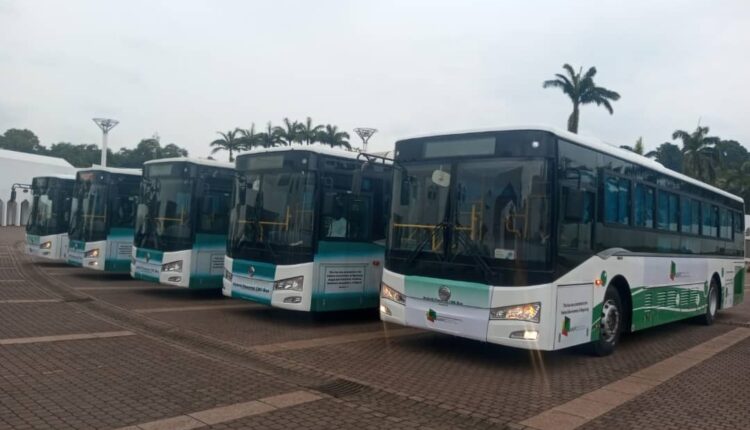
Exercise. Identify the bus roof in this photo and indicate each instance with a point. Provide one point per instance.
(57, 176)
(118, 170)
(599, 145)
(199, 161)
(317, 148)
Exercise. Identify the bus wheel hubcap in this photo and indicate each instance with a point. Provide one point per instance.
(610, 320)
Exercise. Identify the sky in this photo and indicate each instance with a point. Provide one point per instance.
(187, 69)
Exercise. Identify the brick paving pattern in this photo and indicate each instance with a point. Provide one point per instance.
(471, 376)
(46, 319)
(117, 382)
(714, 395)
(219, 361)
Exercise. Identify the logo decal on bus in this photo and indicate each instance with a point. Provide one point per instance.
(251, 271)
(431, 315)
(566, 326)
(444, 293)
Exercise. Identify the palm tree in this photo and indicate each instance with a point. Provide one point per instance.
(581, 90)
(309, 133)
(248, 137)
(333, 137)
(637, 148)
(289, 133)
(228, 142)
(699, 153)
(268, 138)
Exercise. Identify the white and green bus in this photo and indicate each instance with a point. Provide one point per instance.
(541, 239)
(47, 228)
(182, 221)
(307, 229)
(101, 218)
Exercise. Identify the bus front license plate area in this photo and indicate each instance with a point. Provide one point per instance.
(252, 288)
(447, 318)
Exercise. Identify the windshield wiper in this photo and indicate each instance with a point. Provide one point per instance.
(418, 249)
(471, 247)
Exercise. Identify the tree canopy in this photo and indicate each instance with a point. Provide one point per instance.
(88, 154)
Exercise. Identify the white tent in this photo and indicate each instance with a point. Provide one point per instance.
(21, 168)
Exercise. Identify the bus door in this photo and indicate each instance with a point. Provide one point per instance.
(345, 251)
(575, 301)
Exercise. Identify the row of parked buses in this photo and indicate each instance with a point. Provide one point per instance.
(526, 237)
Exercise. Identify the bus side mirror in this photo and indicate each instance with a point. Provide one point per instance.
(573, 209)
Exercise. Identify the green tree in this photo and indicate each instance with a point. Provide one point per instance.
(83, 155)
(25, 140)
(700, 157)
(581, 90)
(669, 155)
(736, 181)
(269, 138)
(637, 148)
(731, 154)
(173, 151)
(331, 136)
(308, 133)
(289, 133)
(146, 150)
(229, 142)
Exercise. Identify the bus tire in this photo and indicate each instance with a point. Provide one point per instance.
(610, 324)
(712, 304)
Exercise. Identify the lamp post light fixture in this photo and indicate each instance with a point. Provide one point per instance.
(106, 125)
(365, 134)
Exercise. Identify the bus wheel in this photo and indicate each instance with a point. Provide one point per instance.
(610, 324)
(712, 304)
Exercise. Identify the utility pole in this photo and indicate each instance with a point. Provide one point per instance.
(106, 125)
(365, 134)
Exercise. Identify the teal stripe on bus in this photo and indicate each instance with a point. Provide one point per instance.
(330, 249)
(261, 270)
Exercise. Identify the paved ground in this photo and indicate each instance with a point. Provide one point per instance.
(83, 350)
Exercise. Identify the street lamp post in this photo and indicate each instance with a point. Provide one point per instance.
(106, 125)
(365, 134)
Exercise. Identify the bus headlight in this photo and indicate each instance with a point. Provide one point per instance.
(92, 253)
(46, 245)
(526, 312)
(175, 266)
(294, 284)
(389, 293)
(227, 275)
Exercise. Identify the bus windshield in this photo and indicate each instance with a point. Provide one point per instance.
(272, 216)
(88, 216)
(50, 208)
(163, 218)
(483, 216)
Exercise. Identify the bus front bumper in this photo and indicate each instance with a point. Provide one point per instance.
(474, 322)
(149, 265)
(256, 282)
(49, 247)
(89, 255)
